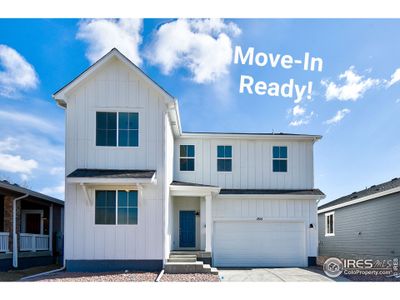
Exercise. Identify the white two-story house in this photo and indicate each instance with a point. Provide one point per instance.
(138, 187)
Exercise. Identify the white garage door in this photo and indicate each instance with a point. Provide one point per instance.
(259, 244)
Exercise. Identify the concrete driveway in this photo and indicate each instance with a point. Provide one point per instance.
(311, 274)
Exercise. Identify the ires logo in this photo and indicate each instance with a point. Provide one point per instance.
(358, 263)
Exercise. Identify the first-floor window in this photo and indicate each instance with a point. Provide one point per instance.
(329, 224)
(116, 207)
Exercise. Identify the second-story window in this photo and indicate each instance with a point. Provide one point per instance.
(224, 158)
(106, 129)
(186, 157)
(128, 129)
(279, 159)
(117, 129)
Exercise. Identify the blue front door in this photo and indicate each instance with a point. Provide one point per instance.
(187, 229)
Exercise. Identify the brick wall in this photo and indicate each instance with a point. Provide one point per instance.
(8, 217)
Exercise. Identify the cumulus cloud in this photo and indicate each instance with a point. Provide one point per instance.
(302, 121)
(394, 78)
(201, 46)
(14, 163)
(102, 35)
(338, 116)
(16, 74)
(352, 88)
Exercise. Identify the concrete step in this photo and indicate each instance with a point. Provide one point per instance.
(214, 271)
(182, 259)
(182, 256)
(183, 267)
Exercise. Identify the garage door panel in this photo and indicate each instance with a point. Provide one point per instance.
(259, 244)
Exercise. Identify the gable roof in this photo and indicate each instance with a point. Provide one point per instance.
(372, 192)
(59, 95)
(21, 190)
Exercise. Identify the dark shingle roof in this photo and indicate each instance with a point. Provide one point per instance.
(182, 183)
(271, 192)
(109, 173)
(395, 182)
(4, 184)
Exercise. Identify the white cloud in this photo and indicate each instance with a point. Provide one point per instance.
(353, 88)
(298, 111)
(202, 46)
(303, 121)
(16, 164)
(16, 74)
(55, 191)
(56, 171)
(102, 35)
(28, 120)
(338, 117)
(394, 78)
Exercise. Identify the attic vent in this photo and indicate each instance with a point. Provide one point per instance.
(395, 179)
(377, 189)
(354, 197)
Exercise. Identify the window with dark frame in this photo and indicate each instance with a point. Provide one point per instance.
(116, 207)
(117, 129)
(224, 158)
(279, 158)
(187, 156)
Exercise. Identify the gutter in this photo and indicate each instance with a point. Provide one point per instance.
(15, 237)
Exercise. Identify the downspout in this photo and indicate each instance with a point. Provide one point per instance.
(15, 237)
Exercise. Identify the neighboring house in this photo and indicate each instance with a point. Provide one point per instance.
(36, 222)
(364, 224)
(139, 188)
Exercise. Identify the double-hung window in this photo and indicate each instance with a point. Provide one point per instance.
(117, 129)
(330, 224)
(186, 161)
(224, 158)
(279, 158)
(116, 207)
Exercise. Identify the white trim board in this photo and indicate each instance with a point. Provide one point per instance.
(359, 200)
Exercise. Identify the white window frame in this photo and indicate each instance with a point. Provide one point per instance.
(272, 160)
(117, 112)
(231, 158)
(187, 157)
(116, 205)
(332, 215)
(25, 212)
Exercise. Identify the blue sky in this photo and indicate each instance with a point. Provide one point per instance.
(355, 103)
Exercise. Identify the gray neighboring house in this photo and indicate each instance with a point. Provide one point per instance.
(364, 224)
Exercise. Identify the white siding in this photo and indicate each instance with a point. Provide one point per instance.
(115, 88)
(248, 209)
(251, 164)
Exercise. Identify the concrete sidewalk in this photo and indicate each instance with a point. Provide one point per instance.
(311, 274)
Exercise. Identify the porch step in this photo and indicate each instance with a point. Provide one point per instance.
(182, 259)
(183, 262)
(183, 256)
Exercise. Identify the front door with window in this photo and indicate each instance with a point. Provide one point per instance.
(187, 229)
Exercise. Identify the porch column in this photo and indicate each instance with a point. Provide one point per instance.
(51, 229)
(208, 222)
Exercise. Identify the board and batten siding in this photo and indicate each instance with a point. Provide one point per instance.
(281, 210)
(115, 87)
(251, 164)
(367, 229)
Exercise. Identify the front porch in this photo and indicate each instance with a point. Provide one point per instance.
(190, 221)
